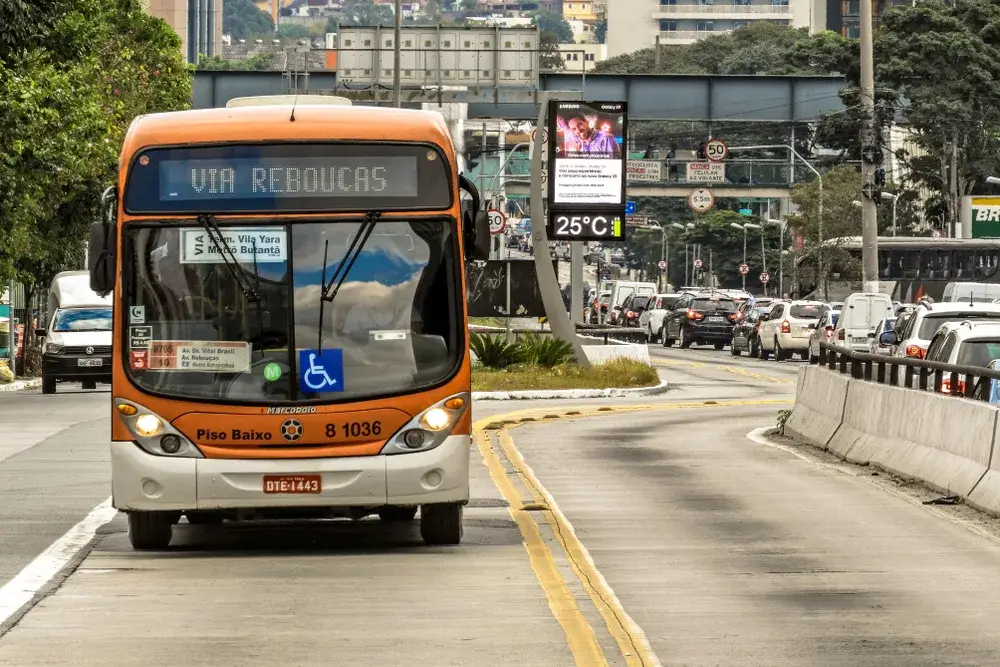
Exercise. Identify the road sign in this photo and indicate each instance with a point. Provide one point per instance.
(662, 264)
(716, 150)
(746, 211)
(701, 199)
(764, 277)
(630, 208)
(697, 263)
(744, 269)
(498, 221)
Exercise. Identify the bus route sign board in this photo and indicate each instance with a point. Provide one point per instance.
(587, 168)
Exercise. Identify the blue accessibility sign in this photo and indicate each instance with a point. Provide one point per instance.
(630, 208)
(321, 371)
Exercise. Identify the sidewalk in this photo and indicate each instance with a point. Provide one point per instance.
(18, 385)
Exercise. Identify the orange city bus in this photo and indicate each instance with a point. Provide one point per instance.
(289, 316)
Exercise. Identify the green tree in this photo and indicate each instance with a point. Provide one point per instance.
(293, 31)
(242, 19)
(68, 92)
(256, 62)
(552, 31)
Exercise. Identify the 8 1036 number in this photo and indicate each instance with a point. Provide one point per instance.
(354, 429)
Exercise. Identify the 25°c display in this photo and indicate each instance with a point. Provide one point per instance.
(586, 227)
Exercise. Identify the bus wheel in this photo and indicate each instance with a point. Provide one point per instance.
(392, 513)
(150, 530)
(441, 523)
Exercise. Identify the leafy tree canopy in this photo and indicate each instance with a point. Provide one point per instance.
(554, 24)
(242, 19)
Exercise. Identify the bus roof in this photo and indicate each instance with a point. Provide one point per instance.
(273, 123)
(854, 242)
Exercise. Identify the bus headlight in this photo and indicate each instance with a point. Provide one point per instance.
(153, 433)
(428, 429)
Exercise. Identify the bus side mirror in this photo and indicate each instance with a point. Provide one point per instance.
(481, 243)
(101, 257)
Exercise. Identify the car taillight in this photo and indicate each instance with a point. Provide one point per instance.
(694, 315)
(946, 386)
(915, 351)
(631, 313)
(786, 327)
(734, 317)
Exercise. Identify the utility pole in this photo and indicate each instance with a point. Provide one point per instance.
(870, 155)
(397, 88)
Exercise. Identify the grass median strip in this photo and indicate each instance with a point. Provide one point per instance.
(613, 374)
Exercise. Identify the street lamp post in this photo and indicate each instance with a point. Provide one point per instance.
(744, 227)
(819, 178)
(397, 88)
(781, 253)
(895, 198)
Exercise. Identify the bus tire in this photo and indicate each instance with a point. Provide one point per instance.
(441, 523)
(150, 530)
(397, 514)
(48, 384)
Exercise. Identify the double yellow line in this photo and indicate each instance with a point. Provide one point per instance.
(505, 464)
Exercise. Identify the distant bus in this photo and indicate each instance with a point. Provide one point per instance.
(909, 267)
(290, 323)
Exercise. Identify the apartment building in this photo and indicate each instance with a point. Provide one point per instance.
(197, 22)
(582, 10)
(844, 16)
(635, 24)
(582, 57)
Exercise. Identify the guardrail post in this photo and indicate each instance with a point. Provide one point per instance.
(969, 385)
(894, 375)
(856, 371)
(842, 358)
(881, 373)
(868, 369)
(909, 377)
(822, 356)
(924, 372)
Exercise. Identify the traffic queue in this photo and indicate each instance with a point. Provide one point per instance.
(963, 328)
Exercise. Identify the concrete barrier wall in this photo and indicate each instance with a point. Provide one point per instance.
(945, 442)
(819, 406)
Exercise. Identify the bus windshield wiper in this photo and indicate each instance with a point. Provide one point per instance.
(228, 258)
(329, 290)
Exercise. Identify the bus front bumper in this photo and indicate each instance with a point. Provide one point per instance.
(141, 481)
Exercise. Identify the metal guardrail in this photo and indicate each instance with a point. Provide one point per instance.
(884, 369)
(594, 330)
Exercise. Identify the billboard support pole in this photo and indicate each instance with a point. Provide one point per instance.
(548, 285)
(576, 280)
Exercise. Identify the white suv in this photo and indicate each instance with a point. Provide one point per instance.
(788, 328)
(912, 339)
(651, 319)
(965, 343)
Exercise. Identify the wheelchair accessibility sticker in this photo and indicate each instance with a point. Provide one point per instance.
(321, 371)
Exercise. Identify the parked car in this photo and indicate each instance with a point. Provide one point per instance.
(700, 318)
(824, 332)
(875, 344)
(651, 319)
(913, 335)
(965, 343)
(745, 337)
(788, 328)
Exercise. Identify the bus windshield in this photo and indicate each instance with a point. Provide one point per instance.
(259, 332)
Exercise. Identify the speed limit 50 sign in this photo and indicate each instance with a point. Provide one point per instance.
(716, 150)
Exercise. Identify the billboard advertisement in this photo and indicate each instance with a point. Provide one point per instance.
(587, 169)
(587, 153)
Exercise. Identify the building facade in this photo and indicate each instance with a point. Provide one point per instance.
(636, 24)
(197, 22)
(582, 57)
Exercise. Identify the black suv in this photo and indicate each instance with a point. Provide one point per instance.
(701, 318)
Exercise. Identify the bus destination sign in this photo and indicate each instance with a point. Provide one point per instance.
(249, 178)
(288, 177)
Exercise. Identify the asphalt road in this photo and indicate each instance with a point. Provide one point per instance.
(652, 531)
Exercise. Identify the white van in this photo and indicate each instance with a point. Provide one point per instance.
(974, 292)
(77, 337)
(859, 316)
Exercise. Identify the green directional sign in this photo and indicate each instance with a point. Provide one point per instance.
(746, 211)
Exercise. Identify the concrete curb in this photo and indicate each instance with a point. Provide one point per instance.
(18, 385)
(656, 390)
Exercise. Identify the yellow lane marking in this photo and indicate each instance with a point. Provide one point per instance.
(630, 638)
(729, 369)
(580, 635)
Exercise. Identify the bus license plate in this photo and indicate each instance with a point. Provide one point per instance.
(293, 484)
(89, 362)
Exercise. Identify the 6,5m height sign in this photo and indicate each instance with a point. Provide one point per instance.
(587, 168)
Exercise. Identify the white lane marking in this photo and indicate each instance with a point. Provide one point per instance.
(757, 436)
(20, 590)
